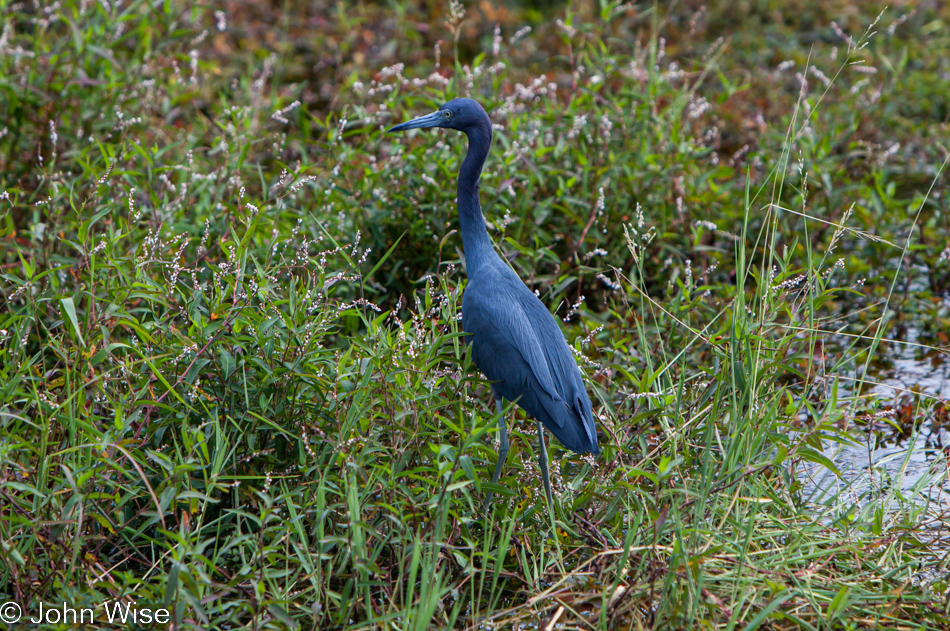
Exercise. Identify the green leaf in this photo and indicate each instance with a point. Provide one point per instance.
(27, 268)
(385, 256)
(226, 361)
(458, 485)
(811, 455)
(466, 463)
(489, 487)
(838, 604)
(69, 308)
(781, 453)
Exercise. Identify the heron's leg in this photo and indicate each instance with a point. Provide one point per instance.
(502, 440)
(543, 461)
(502, 444)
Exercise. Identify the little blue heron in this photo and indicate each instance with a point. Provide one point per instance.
(514, 339)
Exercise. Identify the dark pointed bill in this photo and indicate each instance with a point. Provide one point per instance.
(429, 120)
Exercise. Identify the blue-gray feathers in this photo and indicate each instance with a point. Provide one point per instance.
(519, 346)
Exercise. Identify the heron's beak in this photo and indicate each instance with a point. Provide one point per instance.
(429, 120)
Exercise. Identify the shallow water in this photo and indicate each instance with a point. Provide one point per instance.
(890, 464)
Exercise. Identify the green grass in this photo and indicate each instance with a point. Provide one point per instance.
(233, 381)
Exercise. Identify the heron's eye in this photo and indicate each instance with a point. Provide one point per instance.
(446, 113)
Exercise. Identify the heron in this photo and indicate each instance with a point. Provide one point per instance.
(513, 338)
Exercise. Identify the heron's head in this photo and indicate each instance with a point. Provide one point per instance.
(461, 114)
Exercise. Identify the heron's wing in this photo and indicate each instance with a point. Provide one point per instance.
(510, 318)
(518, 344)
(561, 363)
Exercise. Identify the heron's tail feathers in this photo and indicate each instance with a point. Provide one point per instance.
(563, 421)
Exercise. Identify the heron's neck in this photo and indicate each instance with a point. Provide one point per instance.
(475, 241)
